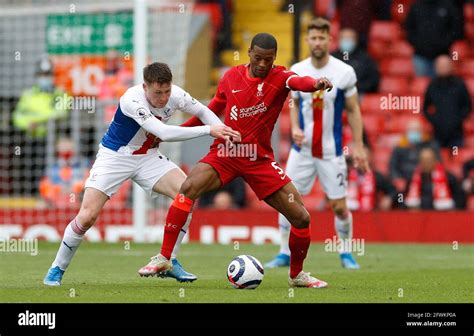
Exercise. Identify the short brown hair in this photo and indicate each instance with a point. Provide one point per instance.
(320, 23)
(157, 73)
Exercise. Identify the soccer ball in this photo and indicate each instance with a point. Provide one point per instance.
(245, 271)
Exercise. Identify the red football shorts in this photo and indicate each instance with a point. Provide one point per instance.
(263, 174)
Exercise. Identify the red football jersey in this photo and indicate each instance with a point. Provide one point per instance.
(252, 105)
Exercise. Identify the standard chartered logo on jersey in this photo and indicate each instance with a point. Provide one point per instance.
(247, 111)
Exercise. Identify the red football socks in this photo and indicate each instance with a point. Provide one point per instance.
(177, 216)
(299, 242)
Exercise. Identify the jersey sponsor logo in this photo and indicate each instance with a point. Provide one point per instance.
(252, 110)
(233, 113)
(260, 89)
(235, 91)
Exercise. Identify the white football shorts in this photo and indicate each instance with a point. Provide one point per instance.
(111, 169)
(332, 173)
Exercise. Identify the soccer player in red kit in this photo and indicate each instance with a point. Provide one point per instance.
(251, 97)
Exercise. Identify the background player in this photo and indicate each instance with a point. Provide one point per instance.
(252, 96)
(129, 150)
(316, 121)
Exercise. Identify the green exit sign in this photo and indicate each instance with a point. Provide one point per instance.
(89, 33)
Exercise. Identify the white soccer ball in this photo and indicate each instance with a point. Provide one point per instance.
(245, 272)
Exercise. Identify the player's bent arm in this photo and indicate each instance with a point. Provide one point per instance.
(172, 133)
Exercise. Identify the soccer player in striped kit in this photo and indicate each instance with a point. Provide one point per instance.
(316, 120)
(129, 150)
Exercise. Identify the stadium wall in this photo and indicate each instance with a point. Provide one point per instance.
(227, 226)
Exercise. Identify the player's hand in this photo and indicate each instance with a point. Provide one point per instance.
(297, 135)
(323, 83)
(225, 132)
(360, 159)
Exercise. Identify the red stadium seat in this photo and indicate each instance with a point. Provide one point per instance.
(461, 50)
(419, 85)
(394, 85)
(398, 123)
(399, 10)
(470, 203)
(388, 141)
(379, 49)
(373, 124)
(402, 49)
(371, 103)
(467, 68)
(469, 31)
(397, 67)
(469, 125)
(384, 30)
(469, 141)
(469, 12)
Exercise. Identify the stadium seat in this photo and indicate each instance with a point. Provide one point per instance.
(388, 141)
(373, 123)
(467, 68)
(370, 103)
(398, 122)
(469, 31)
(379, 49)
(461, 50)
(419, 85)
(397, 67)
(469, 141)
(402, 49)
(469, 12)
(399, 10)
(470, 203)
(469, 125)
(394, 85)
(384, 30)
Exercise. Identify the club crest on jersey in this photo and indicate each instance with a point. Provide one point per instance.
(260, 89)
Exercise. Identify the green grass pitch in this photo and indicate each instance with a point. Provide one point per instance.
(399, 273)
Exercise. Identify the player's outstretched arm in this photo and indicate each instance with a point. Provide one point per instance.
(216, 106)
(171, 133)
(308, 84)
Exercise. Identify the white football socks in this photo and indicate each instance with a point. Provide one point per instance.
(344, 232)
(181, 235)
(69, 244)
(285, 226)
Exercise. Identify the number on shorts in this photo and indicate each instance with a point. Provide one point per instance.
(341, 176)
(280, 171)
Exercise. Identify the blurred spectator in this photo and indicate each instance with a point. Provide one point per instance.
(117, 77)
(369, 191)
(358, 15)
(404, 157)
(38, 105)
(432, 26)
(64, 181)
(232, 195)
(365, 68)
(468, 177)
(431, 186)
(447, 104)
